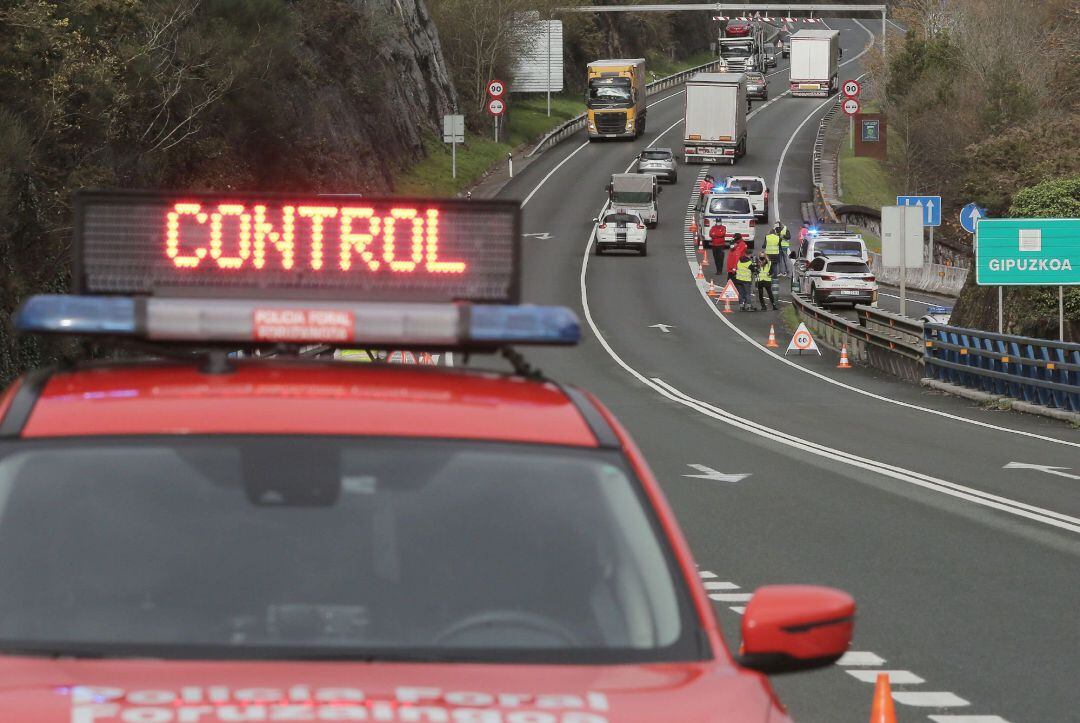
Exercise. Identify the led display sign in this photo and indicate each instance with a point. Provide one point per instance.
(283, 246)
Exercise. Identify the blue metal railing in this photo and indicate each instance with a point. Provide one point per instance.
(1033, 370)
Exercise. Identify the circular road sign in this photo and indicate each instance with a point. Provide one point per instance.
(803, 342)
(851, 106)
(852, 88)
(496, 106)
(496, 88)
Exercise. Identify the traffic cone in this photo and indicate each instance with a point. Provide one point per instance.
(700, 276)
(771, 343)
(727, 306)
(705, 260)
(693, 227)
(712, 292)
(882, 710)
(844, 363)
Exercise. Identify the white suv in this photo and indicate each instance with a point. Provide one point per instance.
(840, 280)
(755, 188)
(734, 210)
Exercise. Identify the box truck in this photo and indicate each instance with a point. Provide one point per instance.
(715, 127)
(815, 62)
(615, 99)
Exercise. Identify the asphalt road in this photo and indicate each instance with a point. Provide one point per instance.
(967, 574)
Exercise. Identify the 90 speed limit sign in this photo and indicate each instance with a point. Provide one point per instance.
(496, 89)
(496, 106)
(852, 88)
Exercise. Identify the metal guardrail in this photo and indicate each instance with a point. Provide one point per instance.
(1038, 371)
(576, 123)
(881, 339)
(934, 278)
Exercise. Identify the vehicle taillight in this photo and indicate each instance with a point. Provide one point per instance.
(706, 222)
(753, 223)
(603, 225)
(828, 277)
(869, 278)
(641, 225)
(766, 195)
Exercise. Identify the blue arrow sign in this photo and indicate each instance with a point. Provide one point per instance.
(970, 215)
(931, 206)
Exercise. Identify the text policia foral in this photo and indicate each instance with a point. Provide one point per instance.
(214, 703)
(232, 236)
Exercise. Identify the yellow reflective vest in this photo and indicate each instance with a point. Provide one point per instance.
(742, 271)
(764, 275)
(772, 244)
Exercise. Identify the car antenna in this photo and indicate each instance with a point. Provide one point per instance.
(521, 365)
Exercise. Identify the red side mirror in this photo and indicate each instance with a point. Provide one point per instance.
(796, 627)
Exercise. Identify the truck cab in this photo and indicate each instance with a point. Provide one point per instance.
(615, 98)
(636, 192)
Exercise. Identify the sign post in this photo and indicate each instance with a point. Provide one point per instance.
(496, 105)
(901, 243)
(850, 106)
(453, 133)
(1028, 252)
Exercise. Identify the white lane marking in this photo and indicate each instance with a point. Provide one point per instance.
(910, 301)
(968, 719)
(896, 677)
(740, 609)
(706, 575)
(952, 489)
(935, 699)
(721, 586)
(860, 657)
(731, 596)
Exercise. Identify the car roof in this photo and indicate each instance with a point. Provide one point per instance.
(746, 178)
(843, 259)
(299, 397)
(728, 194)
(626, 211)
(667, 150)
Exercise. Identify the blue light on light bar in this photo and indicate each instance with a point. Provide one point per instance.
(77, 315)
(524, 325)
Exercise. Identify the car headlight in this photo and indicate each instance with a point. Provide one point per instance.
(592, 126)
(630, 124)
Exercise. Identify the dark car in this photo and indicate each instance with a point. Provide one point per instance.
(757, 86)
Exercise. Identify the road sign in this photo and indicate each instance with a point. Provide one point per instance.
(1027, 251)
(930, 205)
(496, 106)
(453, 129)
(850, 106)
(901, 237)
(496, 88)
(852, 88)
(970, 215)
(802, 341)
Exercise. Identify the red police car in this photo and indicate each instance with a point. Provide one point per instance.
(200, 537)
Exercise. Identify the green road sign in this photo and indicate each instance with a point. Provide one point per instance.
(1027, 251)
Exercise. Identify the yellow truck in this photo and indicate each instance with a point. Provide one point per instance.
(615, 100)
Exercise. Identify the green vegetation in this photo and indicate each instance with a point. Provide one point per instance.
(865, 181)
(660, 67)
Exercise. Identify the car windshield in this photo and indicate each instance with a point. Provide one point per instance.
(735, 50)
(606, 92)
(848, 267)
(831, 247)
(621, 219)
(746, 185)
(656, 155)
(338, 548)
(632, 197)
(729, 204)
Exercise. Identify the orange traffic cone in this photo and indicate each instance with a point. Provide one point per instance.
(700, 276)
(844, 363)
(712, 292)
(727, 307)
(882, 710)
(705, 260)
(693, 227)
(771, 343)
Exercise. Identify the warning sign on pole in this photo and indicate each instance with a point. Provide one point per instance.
(802, 341)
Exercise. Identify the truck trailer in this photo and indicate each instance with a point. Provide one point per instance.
(715, 127)
(615, 99)
(815, 62)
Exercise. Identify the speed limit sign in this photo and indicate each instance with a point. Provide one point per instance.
(496, 106)
(852, 88)
(850, 106)
(496, 88)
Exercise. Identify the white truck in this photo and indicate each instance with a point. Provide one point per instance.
(636, 192)
(746, 53)
(815, 62)
(715, 115)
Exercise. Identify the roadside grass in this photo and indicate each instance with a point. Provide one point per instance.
(865, 181)
(789, 318)
(873, 243)
(526, 122)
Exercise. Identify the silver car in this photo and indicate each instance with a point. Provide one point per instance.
(659, 162)
(757, 86)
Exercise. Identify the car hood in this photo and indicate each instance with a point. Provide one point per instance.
(106, 691)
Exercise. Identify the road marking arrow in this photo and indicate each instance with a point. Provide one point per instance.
(1048, 469)
(542, 236)
(666, 328)
(711, 474)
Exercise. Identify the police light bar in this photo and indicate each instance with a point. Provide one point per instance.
(266, 245)
(255, 321)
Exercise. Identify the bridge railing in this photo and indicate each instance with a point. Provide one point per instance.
(1037, 371)
(934, 278)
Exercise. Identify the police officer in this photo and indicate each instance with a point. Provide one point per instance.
(764, 281)
(785, 248)
(744, 277)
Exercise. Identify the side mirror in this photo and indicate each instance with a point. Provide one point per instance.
(659, 189)
(596, 220)
(787, 628)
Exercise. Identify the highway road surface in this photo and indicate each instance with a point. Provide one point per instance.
(787, 470)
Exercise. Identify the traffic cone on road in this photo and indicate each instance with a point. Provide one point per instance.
(844, 363)
(693, 227)
(771, 343)
(712, 292)
(700, 276)
(882, 710)
(705, 259)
